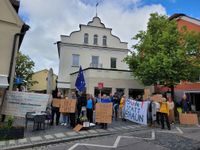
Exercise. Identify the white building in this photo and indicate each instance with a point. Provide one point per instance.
(101, 56)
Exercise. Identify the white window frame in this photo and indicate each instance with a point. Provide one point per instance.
(74, 64)
(95, 39)
(86, 38)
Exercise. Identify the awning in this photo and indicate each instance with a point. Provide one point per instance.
(3, 81)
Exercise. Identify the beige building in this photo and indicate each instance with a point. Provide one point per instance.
(12, 31)
(41, 77)
(101, 54)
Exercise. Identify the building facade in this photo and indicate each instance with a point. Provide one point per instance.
(101, 54)
(12, 31)
(45, 79)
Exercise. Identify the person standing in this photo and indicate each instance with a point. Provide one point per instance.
(171, 110)
(105, 100)
(65, 117)
(55, 110)
(164, 113)
(90, 106)
(72, 116)
(186, 104)
(121, 106)
(116, 102)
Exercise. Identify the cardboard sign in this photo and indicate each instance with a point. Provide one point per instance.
(156, 97)
(147, 92)
(56, 102)
(104, 112)
(68, 106)
(188, 119)
(78, 127)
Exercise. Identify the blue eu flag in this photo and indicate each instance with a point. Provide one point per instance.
(80, 81)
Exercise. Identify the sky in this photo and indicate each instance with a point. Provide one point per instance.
(48, 19)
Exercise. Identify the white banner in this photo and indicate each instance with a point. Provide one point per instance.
(136, 111)
(18, 103)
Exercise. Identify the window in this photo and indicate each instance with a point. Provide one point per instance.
(104, 40)
(113, 62)
(95, 39)
(95, 61)
(86, 38)
(75, 60)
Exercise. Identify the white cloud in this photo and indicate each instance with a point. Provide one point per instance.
(49, 19)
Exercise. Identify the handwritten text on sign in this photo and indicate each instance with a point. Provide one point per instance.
(136, 111)
(104, 112)
(67, 105)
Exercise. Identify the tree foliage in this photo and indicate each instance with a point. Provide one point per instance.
(164, 54)
(24, 69)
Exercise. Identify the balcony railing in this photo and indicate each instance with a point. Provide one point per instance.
(96, 65)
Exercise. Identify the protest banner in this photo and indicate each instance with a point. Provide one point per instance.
(188, 119)
(56, 102)
(136, 111)
(104, 112)
(67, 105)
(18, 103)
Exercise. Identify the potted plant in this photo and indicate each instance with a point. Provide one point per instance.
(8, 131)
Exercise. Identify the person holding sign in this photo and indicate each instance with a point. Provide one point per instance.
(55, 108)
(105, 100)
(164, 113)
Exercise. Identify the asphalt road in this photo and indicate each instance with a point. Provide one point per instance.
(179, 138)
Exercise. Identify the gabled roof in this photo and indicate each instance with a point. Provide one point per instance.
(181, 15)
(176, 15)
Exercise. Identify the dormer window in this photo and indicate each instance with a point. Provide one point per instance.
(95, 39)
(104, 40)
(86, 38)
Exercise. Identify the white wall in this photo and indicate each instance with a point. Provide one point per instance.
(73, 44)
(112, 79)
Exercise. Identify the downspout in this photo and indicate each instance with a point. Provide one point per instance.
(13, 60)
(15, 49)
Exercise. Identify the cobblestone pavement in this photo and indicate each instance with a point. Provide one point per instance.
(144, 138)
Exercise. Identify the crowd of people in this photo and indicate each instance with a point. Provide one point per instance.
(85, 106)
(159, 112)
(162, 111)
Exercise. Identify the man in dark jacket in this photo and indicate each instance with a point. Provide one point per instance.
(116, 102)
(55, 110)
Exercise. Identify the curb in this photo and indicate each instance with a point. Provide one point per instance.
(55, 141)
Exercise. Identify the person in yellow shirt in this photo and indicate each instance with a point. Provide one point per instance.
(164, 113)
(121, 106)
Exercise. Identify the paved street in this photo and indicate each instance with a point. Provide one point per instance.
(140, 138)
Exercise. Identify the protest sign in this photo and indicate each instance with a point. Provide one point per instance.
(104, 112)
(78, 127)
(67, 105)
(156, 97)
(136, 111)
(56, 102)
(188, 119)
(18, 103)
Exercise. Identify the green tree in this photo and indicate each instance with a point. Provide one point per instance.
(165, 55)
(24, 69)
